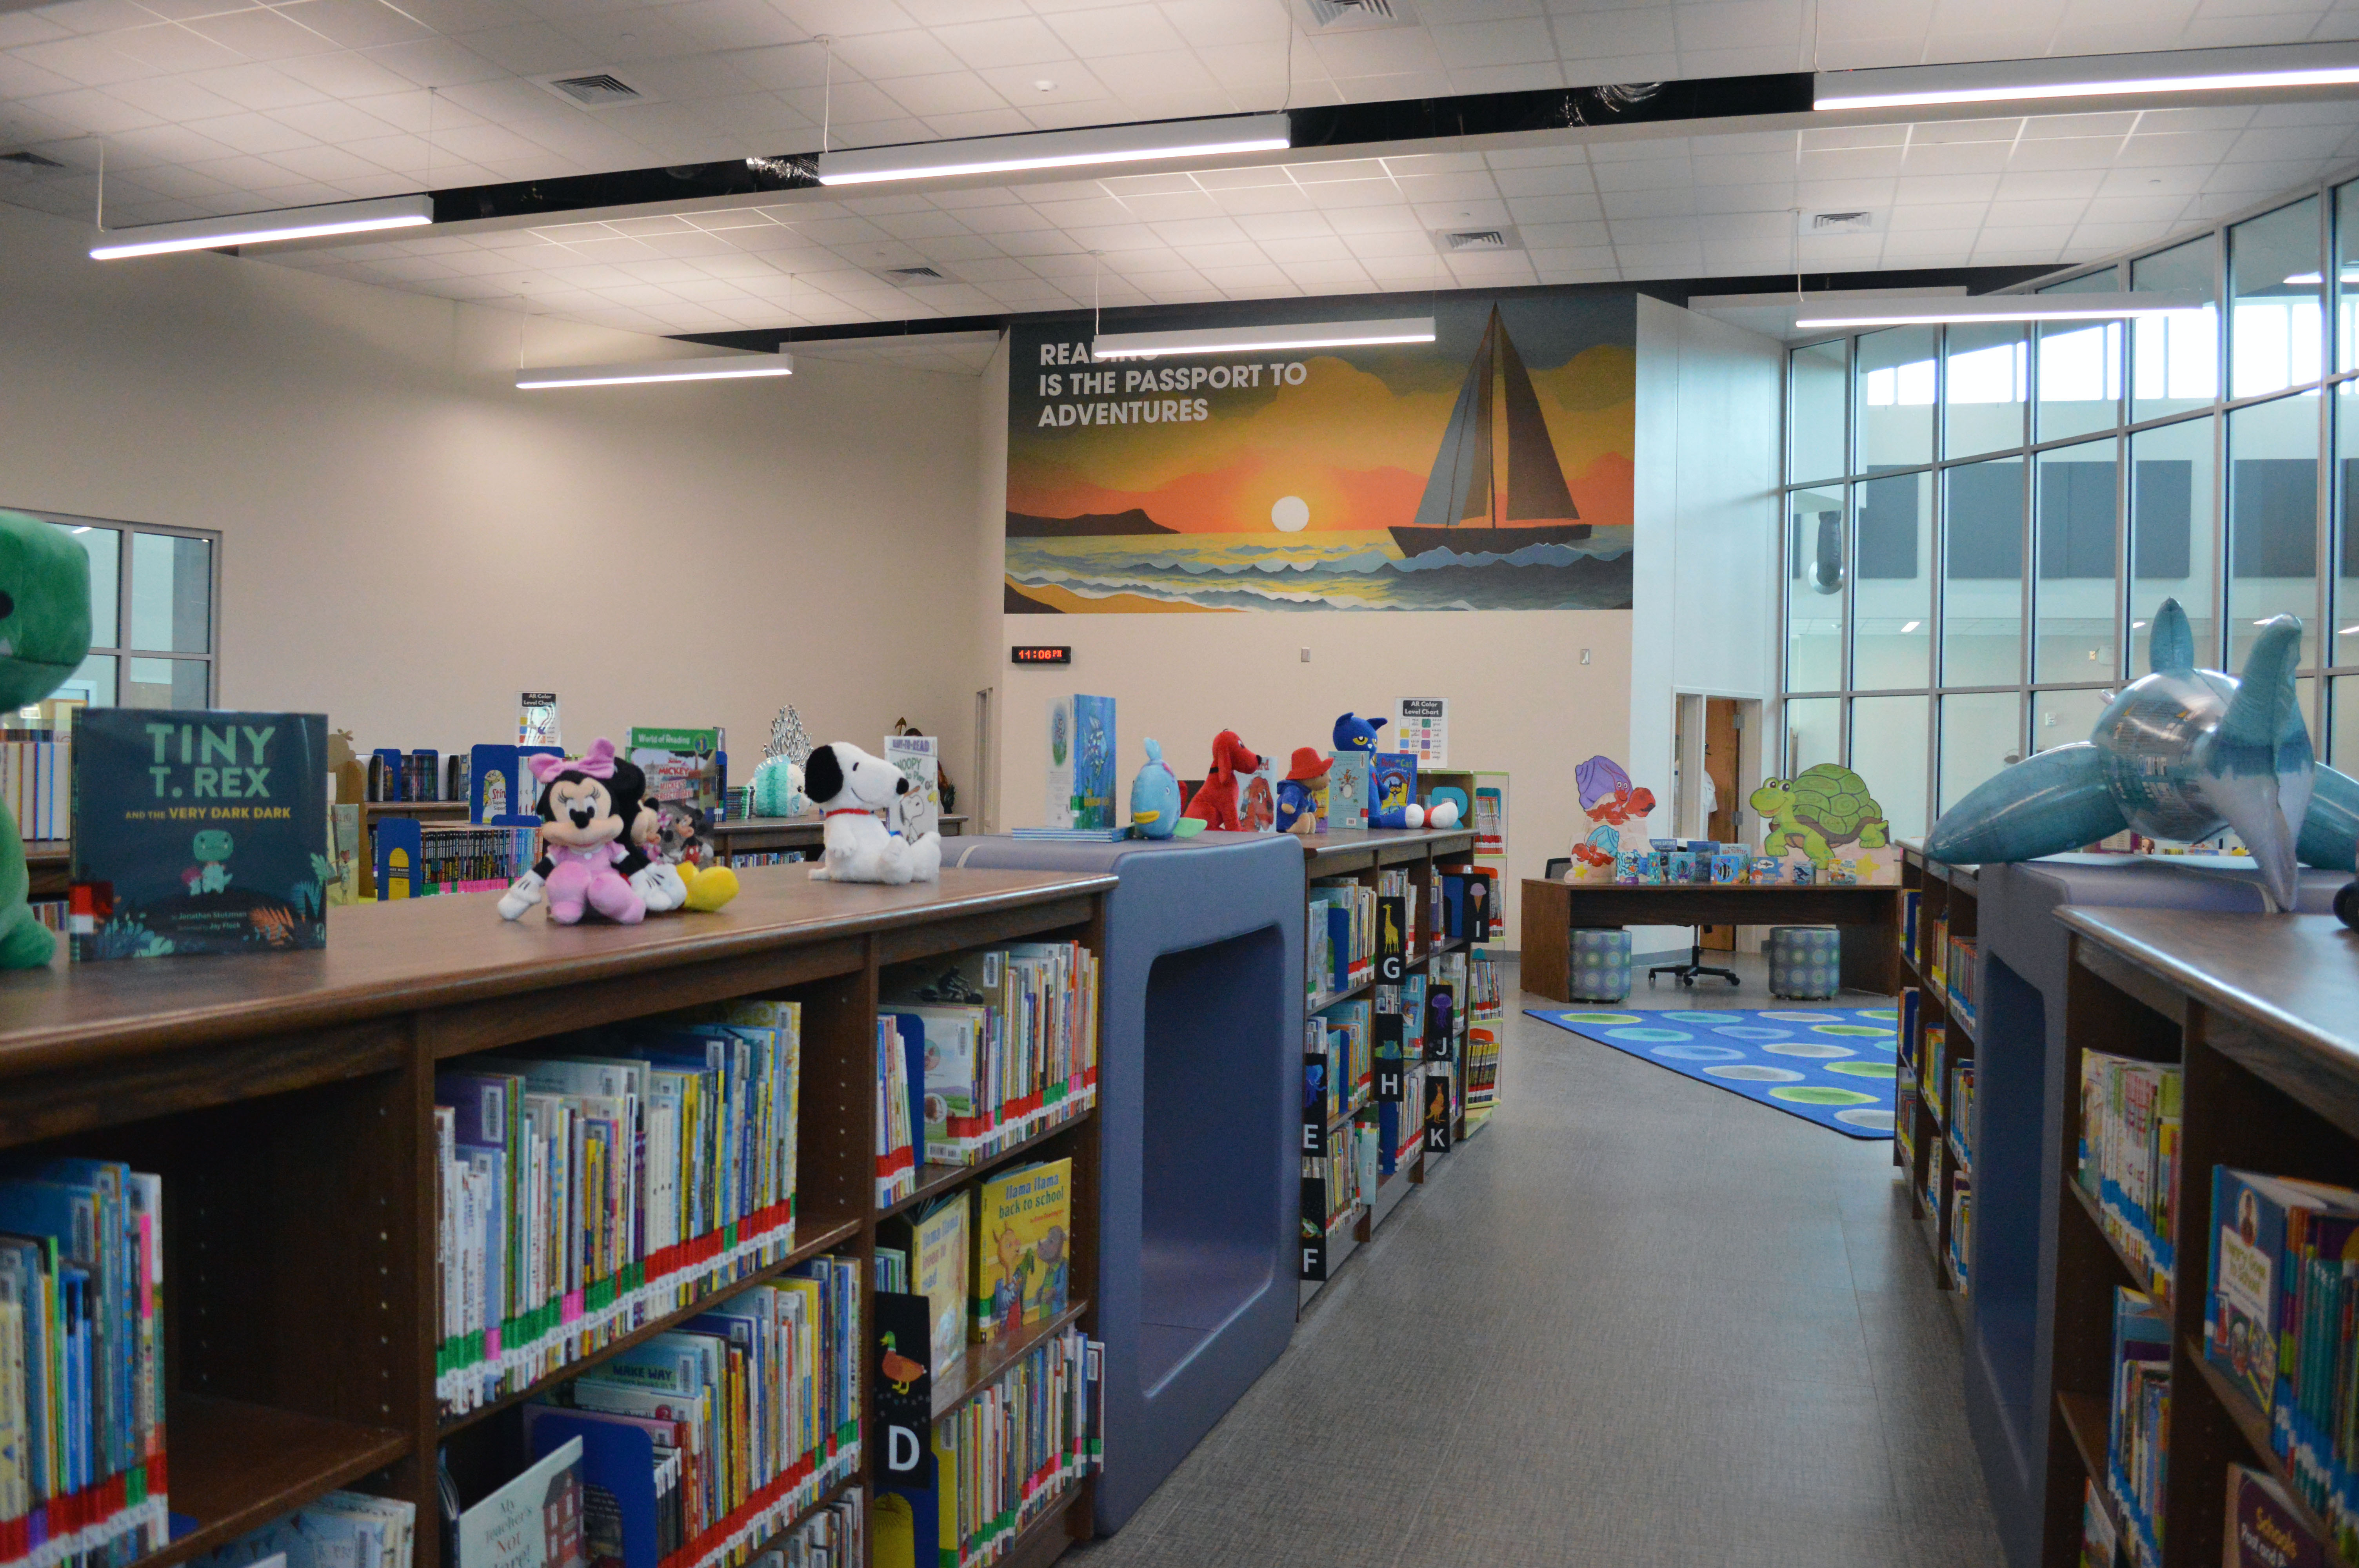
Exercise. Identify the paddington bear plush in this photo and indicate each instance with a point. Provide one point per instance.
(588, 806)
(1356, 734)
(1215, 801)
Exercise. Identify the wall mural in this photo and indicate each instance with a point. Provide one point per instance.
(1488, 469)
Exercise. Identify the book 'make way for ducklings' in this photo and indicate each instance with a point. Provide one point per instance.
(198, 832)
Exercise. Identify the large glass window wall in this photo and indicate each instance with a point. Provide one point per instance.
(1982, 519)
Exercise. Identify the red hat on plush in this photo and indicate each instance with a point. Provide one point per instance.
(1307, 765)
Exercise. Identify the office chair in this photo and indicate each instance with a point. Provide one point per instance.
(1695, 966)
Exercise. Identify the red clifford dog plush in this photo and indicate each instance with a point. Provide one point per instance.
(1215, 804)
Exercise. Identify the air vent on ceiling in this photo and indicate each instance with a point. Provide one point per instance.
(30, 160)
(1354, 16)
(911, 277)
(1452, 240)
(594, 90)
(1853, 222)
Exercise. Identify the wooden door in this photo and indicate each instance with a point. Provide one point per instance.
(1720, 744)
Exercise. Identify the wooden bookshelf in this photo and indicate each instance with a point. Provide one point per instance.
(2261, 1013)
(287, 1101)
(1947, 898)
(770, 834)
(1362, 854)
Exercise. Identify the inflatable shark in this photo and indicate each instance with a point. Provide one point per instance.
(2179, 754)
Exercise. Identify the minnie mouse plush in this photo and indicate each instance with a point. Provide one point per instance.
(588, 806)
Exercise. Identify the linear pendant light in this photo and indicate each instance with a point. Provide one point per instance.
(258, 228)
(1257, 340)
(1886, 310)
(1059, 149)
(708, 367)
(2090, 76)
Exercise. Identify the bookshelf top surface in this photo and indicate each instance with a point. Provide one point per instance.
(418, 954)
(2294, 978)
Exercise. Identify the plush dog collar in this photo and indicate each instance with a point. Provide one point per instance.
(848, 811)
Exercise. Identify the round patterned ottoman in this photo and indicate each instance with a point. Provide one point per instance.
(1601, 963)
(1805, 962)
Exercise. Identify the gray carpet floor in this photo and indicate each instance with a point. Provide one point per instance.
(1636, 1320)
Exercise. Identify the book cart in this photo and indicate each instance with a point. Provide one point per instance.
(2261, 1013)
(1362, 854)
(288, 1103)
(1932, 1142)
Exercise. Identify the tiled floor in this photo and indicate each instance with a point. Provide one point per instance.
(1636, 1321)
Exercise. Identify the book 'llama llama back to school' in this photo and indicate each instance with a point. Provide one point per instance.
(199, 832)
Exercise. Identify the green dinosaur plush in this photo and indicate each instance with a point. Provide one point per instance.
(44, 635)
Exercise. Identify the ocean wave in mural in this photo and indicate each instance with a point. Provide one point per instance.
(1487, 470)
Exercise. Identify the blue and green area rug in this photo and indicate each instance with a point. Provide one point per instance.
(1833, 1065)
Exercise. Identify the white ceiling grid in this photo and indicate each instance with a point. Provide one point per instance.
(211, 106)
(1996, 192)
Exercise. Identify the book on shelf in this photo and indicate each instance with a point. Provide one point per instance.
(1912, 1021)
(1962, 1112)
(82, 1343)
(1485, 1001)
(942, 1242)
(1082, 753)
(583, 1194)
(685, 768)
(1912, 901)
(1339, 932)
(2138, 1425)
(1392, 788)
(1023, 1250)
(900, 1105)
(1933, 1067)
(1962, 1217)
(2261, 1528)
(919, 758)
(1350, 777)
(1958, 977)
(2128, 1155)
(710, 1438)
(1482, 1067)
(892, 1267)
(1007, 1456)
(1904, 1119)
(37, 784)
(533, 1520)
(2100, 1543)
(1010, 1043)
(199, 832)
(341, 1530)
(1350, 1029)
(2278, 1320)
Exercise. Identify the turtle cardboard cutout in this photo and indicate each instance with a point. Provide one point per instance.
(1825, 816)
(44, 635)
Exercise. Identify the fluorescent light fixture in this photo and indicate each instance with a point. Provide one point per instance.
(1262, 340)
(709, 367)
(2137, 625)
(1910, 627)
(260, 228)
(2090, 76)
(1059, 149)
(1885, 310)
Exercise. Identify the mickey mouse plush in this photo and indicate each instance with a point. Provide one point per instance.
(588, 808)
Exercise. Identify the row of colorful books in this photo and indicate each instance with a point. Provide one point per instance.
(1338, 930)
(2280, 1319)
(453, 858)
(2138, 1429)
(1961, 1228)
(1480, 1071)
(81, 1350)
(1958, 977)
(1961, 1114)
(2127, 1156)
(1004, 1457)
(589, 1184)
(708, 1439)
(36, 786)
(998, 1045)
(334, 1531)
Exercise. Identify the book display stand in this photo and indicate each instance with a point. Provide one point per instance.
(288, 1103)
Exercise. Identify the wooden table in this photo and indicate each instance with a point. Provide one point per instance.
(1869, 917)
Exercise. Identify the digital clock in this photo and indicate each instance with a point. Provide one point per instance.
(1039, 654)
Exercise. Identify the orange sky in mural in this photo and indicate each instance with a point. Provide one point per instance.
(1353, 448)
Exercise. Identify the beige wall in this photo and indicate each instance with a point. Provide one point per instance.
(408, 541)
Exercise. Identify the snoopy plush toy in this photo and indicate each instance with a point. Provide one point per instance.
(849, 787)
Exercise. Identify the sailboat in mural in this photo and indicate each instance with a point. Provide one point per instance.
(1468, 504)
